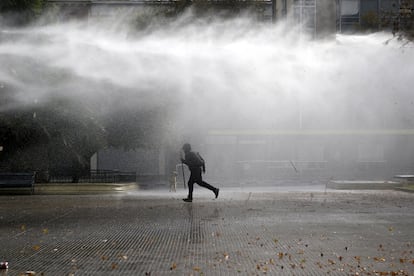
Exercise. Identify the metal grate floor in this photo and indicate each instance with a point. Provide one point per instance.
(246, 234)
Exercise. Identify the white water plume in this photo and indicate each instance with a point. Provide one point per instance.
(215, 75)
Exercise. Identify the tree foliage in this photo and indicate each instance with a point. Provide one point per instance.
(400, 19)
(131, 129)
(61, 134)
(21, 5)
(58, 133)
(21, 11)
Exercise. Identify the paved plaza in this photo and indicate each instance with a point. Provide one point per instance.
(243, 232)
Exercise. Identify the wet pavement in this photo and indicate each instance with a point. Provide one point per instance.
(286, 231)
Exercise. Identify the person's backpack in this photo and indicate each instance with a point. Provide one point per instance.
(195, 160)
(200, 160)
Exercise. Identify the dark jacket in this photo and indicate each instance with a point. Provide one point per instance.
(194, 161)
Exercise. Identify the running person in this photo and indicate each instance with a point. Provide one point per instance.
(196, 164)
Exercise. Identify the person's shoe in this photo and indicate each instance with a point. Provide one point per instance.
(216, 192)
(187, 200)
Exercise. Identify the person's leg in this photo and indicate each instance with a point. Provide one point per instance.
(190, 184)
(204, 184)
(190, 189)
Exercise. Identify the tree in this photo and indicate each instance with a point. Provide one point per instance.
(74, 135)
(400, 19)
(21, 12)
(55, 135)
(22, 5)
(60, 135)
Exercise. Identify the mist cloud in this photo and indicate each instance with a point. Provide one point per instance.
(216, 74)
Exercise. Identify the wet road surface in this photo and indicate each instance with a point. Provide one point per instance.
(243, 232)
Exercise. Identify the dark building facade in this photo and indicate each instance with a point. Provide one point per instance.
(373, 15)
(316, 17)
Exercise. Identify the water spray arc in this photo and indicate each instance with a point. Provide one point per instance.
(246, 78)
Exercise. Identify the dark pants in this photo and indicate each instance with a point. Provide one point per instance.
(195, 177)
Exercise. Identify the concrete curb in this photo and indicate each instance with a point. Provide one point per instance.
(405, 189)
(362, 185)
(83, 188)
(73, 188)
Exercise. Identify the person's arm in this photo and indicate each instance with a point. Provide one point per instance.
(182, 158)
(204, 163)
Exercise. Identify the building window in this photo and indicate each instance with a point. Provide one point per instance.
(304, 14)
(349, 7)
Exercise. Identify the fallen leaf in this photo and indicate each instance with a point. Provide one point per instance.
(379, 259)
(280, 255)
(173, 266)
(114, 266)
(196, 268)
(23, 227)
(45, 231)
(36, 247)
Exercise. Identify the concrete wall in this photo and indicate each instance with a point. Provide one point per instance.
(325, 18)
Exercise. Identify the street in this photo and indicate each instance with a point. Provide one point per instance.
(243, 232)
